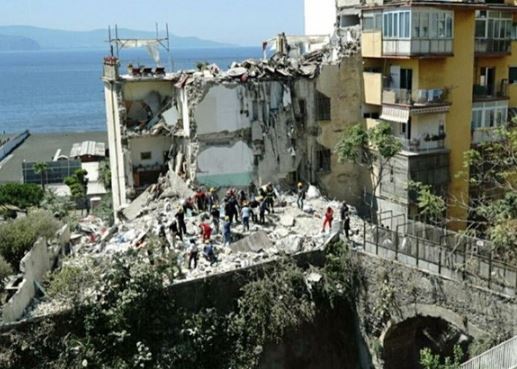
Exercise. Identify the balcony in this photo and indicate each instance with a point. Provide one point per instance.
(486, 135)
(494, 47)
(483, 93)
(427, 144)
(415, 98)
(418, 47)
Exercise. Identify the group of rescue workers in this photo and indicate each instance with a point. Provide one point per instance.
(239, 207)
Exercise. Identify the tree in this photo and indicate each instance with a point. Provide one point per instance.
(41, 168)
(431, 206)
(430, 361)
(21, 195)
(18, 236)
(105, 174)
(372, 149)
(78, 184)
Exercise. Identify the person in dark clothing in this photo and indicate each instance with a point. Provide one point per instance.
(173, 228)
(200, 197)
(182, 226)
(188, 204)
(346, 227)
(162, 236)
(270, 198)
(252, 190)
(262, 211)
(216, 216)
(254, 205)
(193, 254)
(209, 253)
(242, 197)
(227, 231)
(231, 209)
(343, 211)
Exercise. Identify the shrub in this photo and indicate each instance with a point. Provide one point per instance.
(18, 236)
(5, 270)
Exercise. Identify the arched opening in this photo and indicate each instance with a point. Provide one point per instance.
(403, 342)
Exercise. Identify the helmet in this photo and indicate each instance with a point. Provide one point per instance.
(300, 184)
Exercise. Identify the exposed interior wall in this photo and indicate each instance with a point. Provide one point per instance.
(138, 89)
(156, 145)
(424, 124)
(245, 132)
(344, 85)
(320, 17)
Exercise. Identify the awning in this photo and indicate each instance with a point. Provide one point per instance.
(395, 114)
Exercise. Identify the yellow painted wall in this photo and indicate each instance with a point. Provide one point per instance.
(458, 72)
(502, 64)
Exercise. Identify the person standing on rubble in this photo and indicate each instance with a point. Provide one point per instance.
(252, 190)
(200, 198)
(162, 236)
(211, 199)
(262, 211)
(245, 216)
(216, 216)
(182, 226)
(227, 231)
(209, 252)
(206, 231)
(327, 219)
(301, 196)
(270, 197)
(242, 197)
(231, 209)
(193, 254)
(346, 227)
(188, 204)
(173, 228)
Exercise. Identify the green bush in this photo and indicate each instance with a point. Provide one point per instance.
(5, 270)
(18, 236)
(21, 195)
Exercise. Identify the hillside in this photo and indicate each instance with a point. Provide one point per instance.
(17, 43)
(95, 39)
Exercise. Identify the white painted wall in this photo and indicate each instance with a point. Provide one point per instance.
(320, 17)
(220, 111)
(118, 178)
(157, 145)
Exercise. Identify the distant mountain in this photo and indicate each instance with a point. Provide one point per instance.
(17, 43)
(96, 39)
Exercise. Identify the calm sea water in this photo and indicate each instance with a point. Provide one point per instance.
(61, 91)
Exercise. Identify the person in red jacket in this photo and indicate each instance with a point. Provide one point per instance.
(206, 231)
(327, 219)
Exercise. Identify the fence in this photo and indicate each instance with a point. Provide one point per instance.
(503, 356)
(461, 261)
(56, 171)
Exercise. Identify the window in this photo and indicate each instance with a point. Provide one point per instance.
(397, 24)
(324, 160)
(430, 23)
(512, 74)
(323, 107)
(489, 115)
(146, 155)
(494, 25)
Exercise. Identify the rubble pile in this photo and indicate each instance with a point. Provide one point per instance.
(287, 231)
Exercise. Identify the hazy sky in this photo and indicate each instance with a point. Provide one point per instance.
(243, 22)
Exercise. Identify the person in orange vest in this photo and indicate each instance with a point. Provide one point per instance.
(327, 219)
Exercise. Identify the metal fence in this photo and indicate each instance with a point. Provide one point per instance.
(463, 262)
(503, 356)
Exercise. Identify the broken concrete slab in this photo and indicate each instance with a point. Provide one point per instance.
(287, 220)
(133, 210)
(177, 187)
(257, 242)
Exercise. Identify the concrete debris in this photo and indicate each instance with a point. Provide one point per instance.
(287, 220)
(257, 242)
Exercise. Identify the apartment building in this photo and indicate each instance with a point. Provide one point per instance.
(443, 74)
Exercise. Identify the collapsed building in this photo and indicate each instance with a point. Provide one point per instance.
(274, 120)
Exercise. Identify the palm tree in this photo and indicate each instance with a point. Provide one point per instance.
(41, 168)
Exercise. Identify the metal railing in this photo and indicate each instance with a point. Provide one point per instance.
(486, 45)
(464, 263)
(421, 97)
(421, 145)
(503, 356)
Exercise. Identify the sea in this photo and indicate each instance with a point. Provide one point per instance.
(62, 91)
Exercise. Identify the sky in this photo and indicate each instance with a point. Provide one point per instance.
(241, 22)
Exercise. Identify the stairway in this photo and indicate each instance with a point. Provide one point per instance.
(502, 356)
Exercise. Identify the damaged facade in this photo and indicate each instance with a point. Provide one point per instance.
(276, 120)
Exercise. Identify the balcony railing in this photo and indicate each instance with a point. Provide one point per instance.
(493, 46)
(422, 145)
(483, 93)
(486, 135)
(414, 98)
